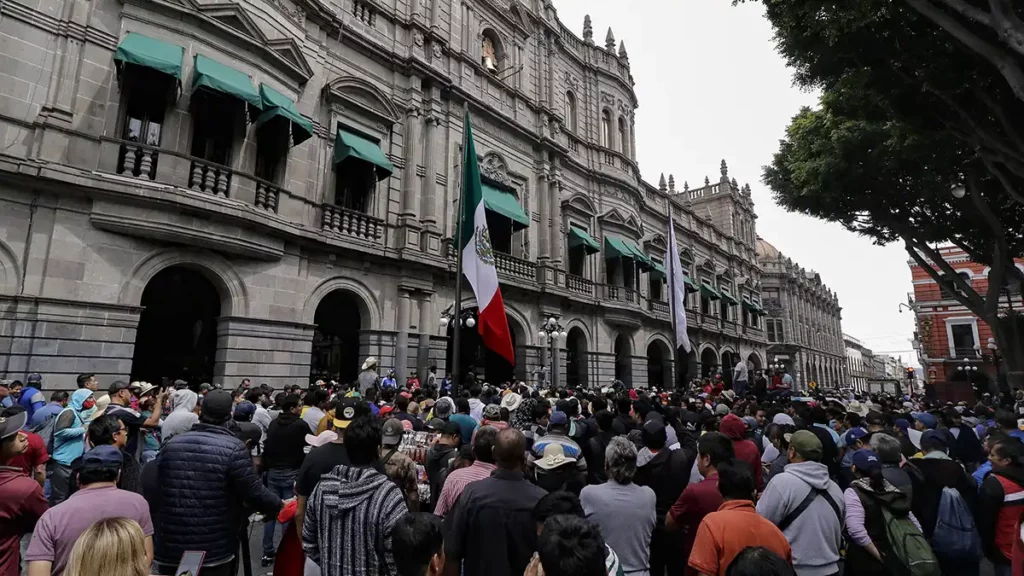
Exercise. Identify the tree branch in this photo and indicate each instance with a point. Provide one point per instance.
(979, 16)
(964, 293)
(1007, 185)
(997, 111)
(943, 279)
(1003, 62)
(1005, 22)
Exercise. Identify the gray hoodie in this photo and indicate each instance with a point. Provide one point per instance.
(815, 536)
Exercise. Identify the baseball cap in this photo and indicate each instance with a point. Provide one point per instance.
(180, 384)
(492, 412)
(218, 404)
(926, 419)
(451, 429)
(116, 386)
(855, 434)
(902, 424)
(443, 407)
(99, 458)
(392, 432)
(205, 387)
(866, 460)
(245, 409)
(344, 412)
(10, 425)
(806, 445)
(558, 419)
(722, 410)
(436, 424)
(34, 378)
(934, 440)
(875, 418)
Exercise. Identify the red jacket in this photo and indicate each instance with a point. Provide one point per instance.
(745, 449)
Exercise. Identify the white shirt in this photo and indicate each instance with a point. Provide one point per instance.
(740, 373)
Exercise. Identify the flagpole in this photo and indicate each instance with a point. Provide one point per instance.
(672, 295)
(457, 331)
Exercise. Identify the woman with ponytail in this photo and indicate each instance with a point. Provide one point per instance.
(869, 552)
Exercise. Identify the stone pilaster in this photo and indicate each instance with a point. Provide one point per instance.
(277, 353)
(423, 349)
(555, 212)
(430, 235)
(402, 338)
(543, 236)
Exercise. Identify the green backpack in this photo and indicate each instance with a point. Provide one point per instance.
(911, 549)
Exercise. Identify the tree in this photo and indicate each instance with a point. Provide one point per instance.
(919, 96)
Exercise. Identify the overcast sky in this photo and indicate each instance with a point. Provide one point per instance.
(711, 86)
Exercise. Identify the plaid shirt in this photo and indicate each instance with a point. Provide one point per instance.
(457, 482)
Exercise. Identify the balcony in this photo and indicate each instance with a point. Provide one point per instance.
(620, 294)
(659, 308)
(515, 267)
(143, 162)
(579, 285)
(965, 353)
(730, 327)
(350, 223)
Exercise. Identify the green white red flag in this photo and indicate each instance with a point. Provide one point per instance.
(478, 256)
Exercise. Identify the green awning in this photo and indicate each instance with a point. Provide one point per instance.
(617, 248)
(277, 105)
(729, 298)
(706, 289)
(348, 145)
(215, 76)
(754, 308)
(505, 204)
(639, 257)
(150, 53)
(579, 238)
(691, 286)
(658, 270)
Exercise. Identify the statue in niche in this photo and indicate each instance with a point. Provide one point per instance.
(489, 55)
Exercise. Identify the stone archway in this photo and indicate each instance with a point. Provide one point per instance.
(576, 358)
(708, 362)
(177, 334)
(487, 365)
(338, 352)
(659, 365)
(624, 360)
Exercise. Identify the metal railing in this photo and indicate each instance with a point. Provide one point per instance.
(347, 222)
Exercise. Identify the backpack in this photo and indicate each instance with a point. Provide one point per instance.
(955, 533)
(909, 546)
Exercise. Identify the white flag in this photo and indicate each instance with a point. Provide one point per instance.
(677, 287)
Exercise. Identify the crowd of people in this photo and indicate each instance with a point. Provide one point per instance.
(423, 479)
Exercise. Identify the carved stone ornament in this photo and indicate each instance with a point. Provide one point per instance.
(436, 48)
(291, 11)
(417, 39)
(607, 98)
(571, 82)
(495, 168)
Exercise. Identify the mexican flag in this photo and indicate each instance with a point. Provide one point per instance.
(478, 256)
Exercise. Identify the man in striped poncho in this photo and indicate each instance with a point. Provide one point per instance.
(352, 511)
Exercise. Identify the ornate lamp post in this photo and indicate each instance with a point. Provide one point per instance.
(465, 318)
(551, 330)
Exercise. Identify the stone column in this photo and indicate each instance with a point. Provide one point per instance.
(402, 340)
(543, 236)
(555, 211)
(428, 198)
(551, 71)
(555, 362)
(435, 24)
(423, 351)
(410, 180)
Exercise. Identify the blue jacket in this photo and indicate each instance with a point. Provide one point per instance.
(43, 414)
(69, 430)
(204, 480)
(31, 399)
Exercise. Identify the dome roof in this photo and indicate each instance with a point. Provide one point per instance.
(765, 251)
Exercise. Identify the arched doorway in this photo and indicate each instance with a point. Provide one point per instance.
(728, 363)
(624, 360)
(335, 353)
(177, 334)
(576, 358)
(754, 362)
(708, 362)
(659, 365)
(488, 366)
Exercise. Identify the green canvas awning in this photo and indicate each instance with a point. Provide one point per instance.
(729, 298)
(215, 76)
(754, 308)
(277, 105)
(658, 270)
(639, 257)
(579, 238)
(706, 289)
(617, 248)
(150, 53)
(691, 286)
(348, 145)
(505, 204)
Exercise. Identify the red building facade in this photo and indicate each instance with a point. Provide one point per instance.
(957, 349)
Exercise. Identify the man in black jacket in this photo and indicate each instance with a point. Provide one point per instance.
(198, 497)
(667, 473)
(283, 453)
(596, 474)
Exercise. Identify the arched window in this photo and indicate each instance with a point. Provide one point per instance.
(623, 136)
(570, 111)
(606, 129)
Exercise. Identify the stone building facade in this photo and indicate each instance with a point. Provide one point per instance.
(266, 189)
(858, 363)
(804, 321)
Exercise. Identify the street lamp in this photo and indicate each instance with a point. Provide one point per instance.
(551, 330)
